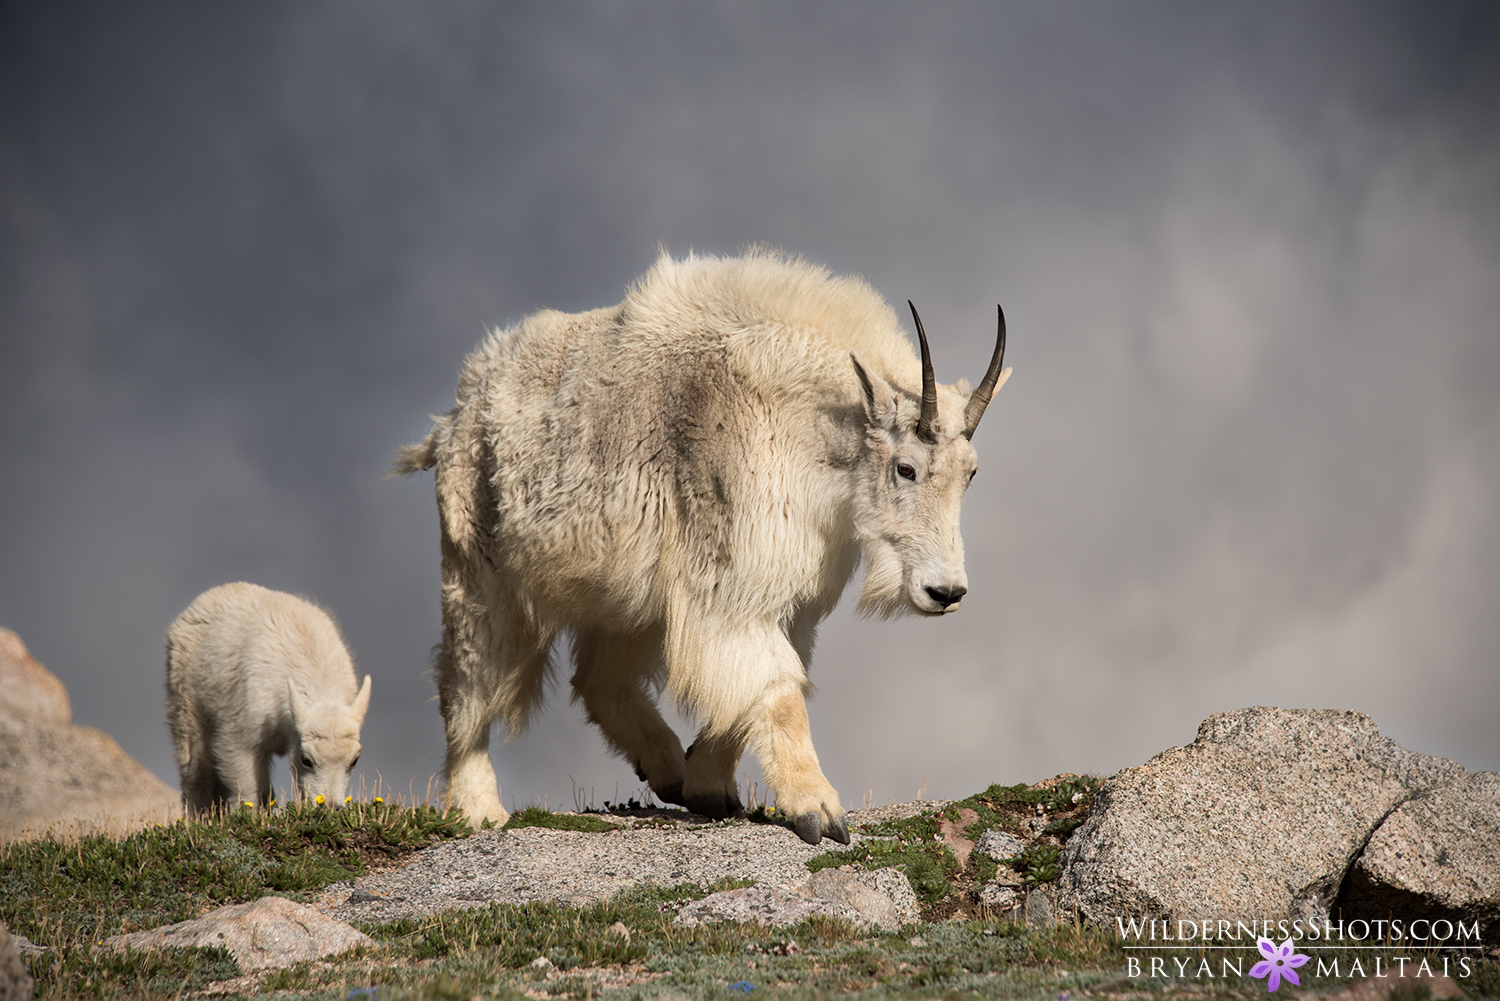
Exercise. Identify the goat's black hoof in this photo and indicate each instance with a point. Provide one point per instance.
(715, 805)
(809, 827)
(672, 794)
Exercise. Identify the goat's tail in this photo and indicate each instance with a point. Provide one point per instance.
(414, 458)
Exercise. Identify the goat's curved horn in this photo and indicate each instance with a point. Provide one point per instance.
(929, 385)
(981, 398)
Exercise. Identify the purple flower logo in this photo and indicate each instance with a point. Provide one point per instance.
(1281, 960)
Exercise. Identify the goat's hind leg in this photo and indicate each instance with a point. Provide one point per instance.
(473, 691)
(613, 672)
(492, 664)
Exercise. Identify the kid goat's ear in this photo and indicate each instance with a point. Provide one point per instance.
(295, 702)
(361, 703)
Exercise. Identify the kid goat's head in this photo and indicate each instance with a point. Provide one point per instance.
(326, 746)
(918, 465)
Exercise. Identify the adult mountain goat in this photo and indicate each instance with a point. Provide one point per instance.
(687, 481)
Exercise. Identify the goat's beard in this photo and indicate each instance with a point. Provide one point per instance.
(884, 592)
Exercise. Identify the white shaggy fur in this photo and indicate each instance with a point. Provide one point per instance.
(686, 481)
(253, 673)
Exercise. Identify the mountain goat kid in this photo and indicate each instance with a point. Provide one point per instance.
(252, 673)
(686, 481)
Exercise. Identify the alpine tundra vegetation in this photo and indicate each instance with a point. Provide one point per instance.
(687, 481)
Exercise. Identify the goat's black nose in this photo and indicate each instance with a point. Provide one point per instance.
(946, 596)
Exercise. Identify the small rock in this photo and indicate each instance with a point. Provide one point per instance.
(268, 933)
(1006, 876)
(999, 845)
(1038, 910)
(15, 979)
(766, 904)
(997, 896)
(916, 940)
(541, 963)
(883, 898)
(618, 930)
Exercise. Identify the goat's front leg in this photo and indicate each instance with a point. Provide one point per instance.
(753, 690)
(779, 729)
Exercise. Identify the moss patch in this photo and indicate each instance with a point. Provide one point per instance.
(946, 889)
(536, 816)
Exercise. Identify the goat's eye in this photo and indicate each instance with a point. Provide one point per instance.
(906, 471)
(354, 762)
(307, 762)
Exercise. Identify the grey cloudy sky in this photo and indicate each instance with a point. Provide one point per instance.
(1250, 255)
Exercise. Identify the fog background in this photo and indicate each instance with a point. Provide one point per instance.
(1250, 255)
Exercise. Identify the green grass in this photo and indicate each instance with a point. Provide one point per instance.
(490, 952)
(929, 866)
(159, 973)
(70, 894)
(1039, 863)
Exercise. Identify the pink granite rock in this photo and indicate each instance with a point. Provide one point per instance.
(264, 934)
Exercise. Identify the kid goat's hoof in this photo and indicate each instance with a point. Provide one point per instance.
(809, 827)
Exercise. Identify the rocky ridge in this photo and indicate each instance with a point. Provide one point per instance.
(55, 774)
(1268, 814)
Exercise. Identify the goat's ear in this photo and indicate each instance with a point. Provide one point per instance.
(1003, 378)
(361, 703)
(879, 398)
(295, 702)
